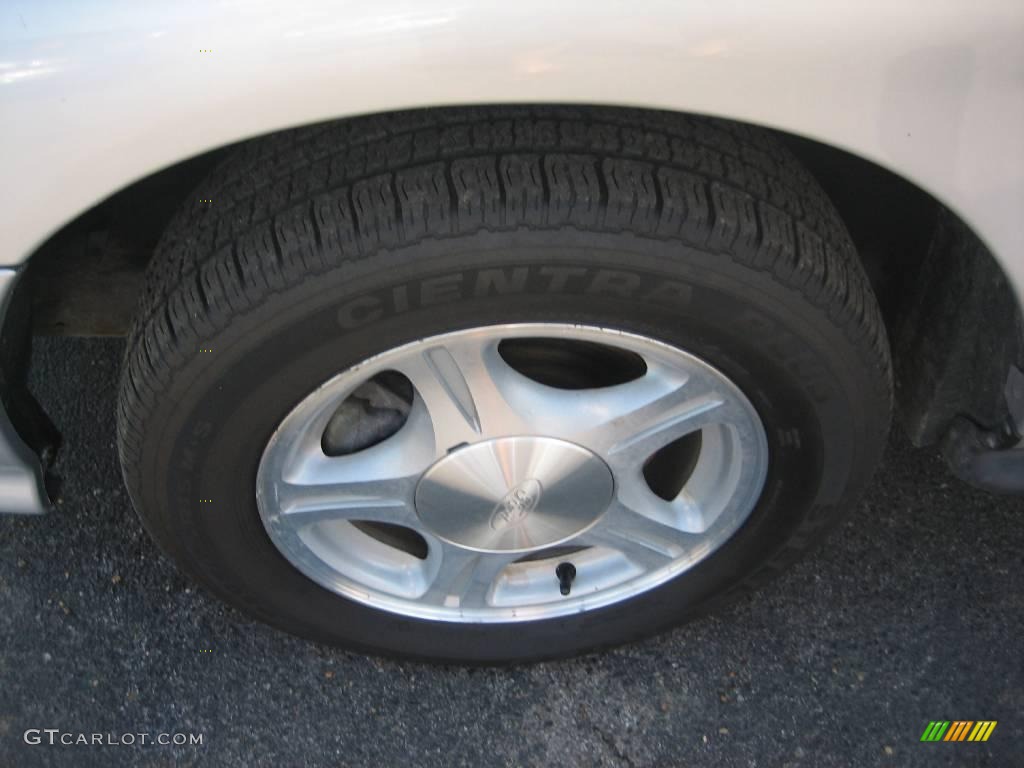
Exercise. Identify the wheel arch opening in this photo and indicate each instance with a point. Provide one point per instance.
(931, 273)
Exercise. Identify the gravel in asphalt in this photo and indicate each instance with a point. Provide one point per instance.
(911, 611)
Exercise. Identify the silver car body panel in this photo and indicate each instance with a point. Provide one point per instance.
(96, 94)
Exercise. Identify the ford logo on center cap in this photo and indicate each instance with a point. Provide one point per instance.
(516, 504)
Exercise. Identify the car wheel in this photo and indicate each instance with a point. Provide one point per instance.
(497, 385)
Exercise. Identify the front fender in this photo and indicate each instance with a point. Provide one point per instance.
(96, 94)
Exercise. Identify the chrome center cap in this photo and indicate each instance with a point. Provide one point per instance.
(514, 494)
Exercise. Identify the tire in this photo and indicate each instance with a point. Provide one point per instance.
(326, 246)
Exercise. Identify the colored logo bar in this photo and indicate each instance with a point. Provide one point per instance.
(959, 730)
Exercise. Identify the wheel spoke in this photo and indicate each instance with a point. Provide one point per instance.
(463, 578)
(456, 382)
(644, 432)
(643, 416)
(647, 542)
(385, 501)
(376, 484)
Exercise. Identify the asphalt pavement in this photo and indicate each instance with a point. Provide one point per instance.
(912, 611)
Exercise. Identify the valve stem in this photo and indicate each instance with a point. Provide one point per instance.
(565, 573)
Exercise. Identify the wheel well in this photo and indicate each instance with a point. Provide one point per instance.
(85, 280)
(954, 325)
(890, 220)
